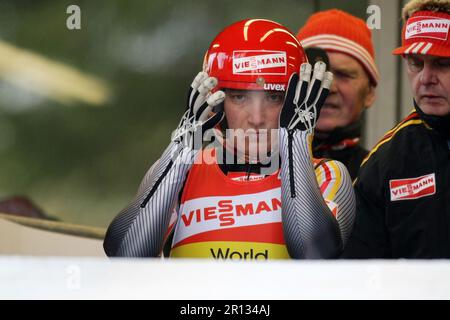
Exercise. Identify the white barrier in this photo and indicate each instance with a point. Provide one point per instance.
(28, 275)
(100, 278)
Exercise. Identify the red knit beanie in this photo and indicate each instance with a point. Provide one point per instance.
(338, 31)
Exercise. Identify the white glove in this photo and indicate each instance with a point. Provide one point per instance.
(304, 98)
(195, 121)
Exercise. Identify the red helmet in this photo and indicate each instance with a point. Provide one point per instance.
(254, 54)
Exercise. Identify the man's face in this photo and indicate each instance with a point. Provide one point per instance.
(429, 77)
(350, 92)
(255, 113)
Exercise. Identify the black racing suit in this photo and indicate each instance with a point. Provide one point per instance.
(403, 195)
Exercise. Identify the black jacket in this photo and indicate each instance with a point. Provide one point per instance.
(332, 145)
(403, 196)
(351, 157)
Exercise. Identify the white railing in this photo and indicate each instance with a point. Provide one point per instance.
(100, 278)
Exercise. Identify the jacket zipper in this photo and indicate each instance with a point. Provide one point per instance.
(291, 163)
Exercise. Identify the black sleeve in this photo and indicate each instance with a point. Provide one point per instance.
(369, 238)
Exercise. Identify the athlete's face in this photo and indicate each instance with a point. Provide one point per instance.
(429, 77)
(256, 114)
(350, 92)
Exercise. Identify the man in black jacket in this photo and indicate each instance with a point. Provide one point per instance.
(349, 50)
(403, 188)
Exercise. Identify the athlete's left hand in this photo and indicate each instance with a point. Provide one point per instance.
(305, 97)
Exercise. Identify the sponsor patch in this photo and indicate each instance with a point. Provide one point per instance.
(215, 213)
(412, 188)
(259, 62)
(231, 250)
(241, 178)
(427, 27)
(274, 87)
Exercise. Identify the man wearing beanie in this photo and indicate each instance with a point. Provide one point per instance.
(347, 42)
(403, 187)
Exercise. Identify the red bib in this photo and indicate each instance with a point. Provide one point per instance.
(227, 218)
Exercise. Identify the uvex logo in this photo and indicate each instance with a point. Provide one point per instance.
(274, 87)
(426, 27)
(412, 188)
(259, 62)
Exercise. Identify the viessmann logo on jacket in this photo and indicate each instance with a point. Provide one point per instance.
(214, 213)
(427, 27)
(259, 62)
(412, 188)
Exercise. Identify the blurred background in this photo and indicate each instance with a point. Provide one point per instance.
(84, 113)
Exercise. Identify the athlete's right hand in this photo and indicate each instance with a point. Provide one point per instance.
(198, 117)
